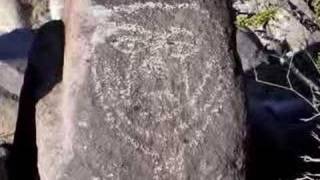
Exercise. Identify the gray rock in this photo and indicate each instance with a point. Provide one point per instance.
(293, 23)
(287, 28)
(8, 118)
(254, 6)
(148, 92)
(250, 50)
(11, 79)
(303, 7)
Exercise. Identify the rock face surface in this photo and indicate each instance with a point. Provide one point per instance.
(148, 92)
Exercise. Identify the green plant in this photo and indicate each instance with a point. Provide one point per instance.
(316, 6)
(258, 19)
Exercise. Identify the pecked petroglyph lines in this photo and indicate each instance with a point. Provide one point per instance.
(146, 82)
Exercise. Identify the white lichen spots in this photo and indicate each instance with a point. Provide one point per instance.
(146, 150)
(204, 168)
(95, 178)
(200, 89)
(108, 29)
(129, 9)
(174, 163)
(220, 177)
(109, 117)
(104, 28)
(110, 175)
(99, 12)
(83, 124)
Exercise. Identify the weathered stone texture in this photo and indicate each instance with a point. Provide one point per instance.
(10, 17)
(8, 115)
(149, 92)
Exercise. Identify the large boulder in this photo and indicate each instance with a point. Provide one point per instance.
(148, 92)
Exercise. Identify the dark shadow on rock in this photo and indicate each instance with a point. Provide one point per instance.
(43, 72)
(276, 137)
(16, 44)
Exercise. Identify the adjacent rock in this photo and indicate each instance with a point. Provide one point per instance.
(148, 92)
(294, 23)
(10, 17)
(8, 118)
(303, 7)
(11, 79)
(10, 84)
(250, 50)
(286, 28)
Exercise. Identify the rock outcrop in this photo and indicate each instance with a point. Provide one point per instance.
(148, 92)
(275, 22)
